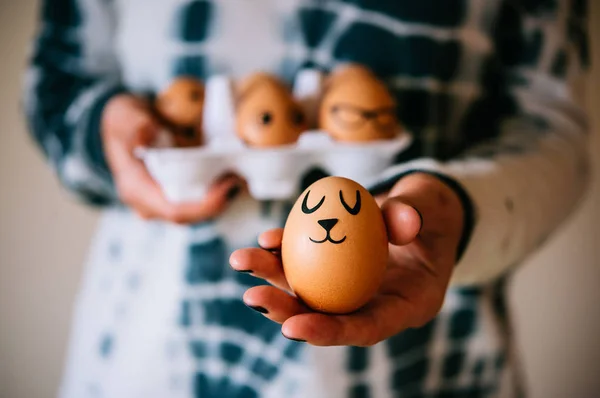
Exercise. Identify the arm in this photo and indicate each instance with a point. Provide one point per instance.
(522, 184)
(513, 190)
(72, 74)
(88, 125)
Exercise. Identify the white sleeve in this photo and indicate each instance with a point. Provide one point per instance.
(525, 182)
(72, 73)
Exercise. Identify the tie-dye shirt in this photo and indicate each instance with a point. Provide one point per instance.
(482, 85)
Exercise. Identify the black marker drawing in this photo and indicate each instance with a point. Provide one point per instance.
(327, 225)
(305, 208)
(352, 210)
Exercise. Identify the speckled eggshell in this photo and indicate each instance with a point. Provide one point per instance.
(358, 89)
(266, 113)
(336, 278)
(181, 106)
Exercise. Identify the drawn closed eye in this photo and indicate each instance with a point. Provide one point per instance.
(306, 209)
(352, 210)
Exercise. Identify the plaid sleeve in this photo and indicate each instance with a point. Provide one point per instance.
(520, 185)
(72, 73)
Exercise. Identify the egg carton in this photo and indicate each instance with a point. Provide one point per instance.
(185, 174)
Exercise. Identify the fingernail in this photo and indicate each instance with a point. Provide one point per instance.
(245, 271)
(274, 251)
(293, 339)
(233, 192)
(258, 308)
(421, 217)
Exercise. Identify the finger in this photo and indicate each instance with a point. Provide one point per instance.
(147, 129)
(138, 190)
(402, 220)
(271, 240)
(260, 263)
(120, 145)
(131, 125)
(142, 193)
(212, 204)
(380, 199)
(382, 318)
(273, 303)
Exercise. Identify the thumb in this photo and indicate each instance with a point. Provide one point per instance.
(146, 128)
(403, 221)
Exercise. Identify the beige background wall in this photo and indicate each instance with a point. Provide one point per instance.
(44, 234)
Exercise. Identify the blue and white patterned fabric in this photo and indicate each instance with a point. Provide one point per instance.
(481, 84)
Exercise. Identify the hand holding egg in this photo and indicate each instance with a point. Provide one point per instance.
(334, 247)
(334, 282)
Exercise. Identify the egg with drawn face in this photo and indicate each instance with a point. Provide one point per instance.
(358, 107)
(267, 115)
(335, 248)
(347, 72)
(180, 107)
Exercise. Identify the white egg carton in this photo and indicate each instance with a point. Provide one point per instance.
(185, 174)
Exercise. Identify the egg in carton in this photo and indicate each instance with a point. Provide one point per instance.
(180, 108)
(357, 107)
(271, 134)
(267, 114)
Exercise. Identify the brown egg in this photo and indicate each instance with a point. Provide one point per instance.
(243, 86)
(180, 106)
(357, 107)
(335, 246)
(348, 71)
(267, 114)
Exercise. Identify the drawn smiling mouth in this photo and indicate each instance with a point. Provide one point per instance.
(328, 238)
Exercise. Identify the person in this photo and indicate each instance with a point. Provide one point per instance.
(498, 162)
